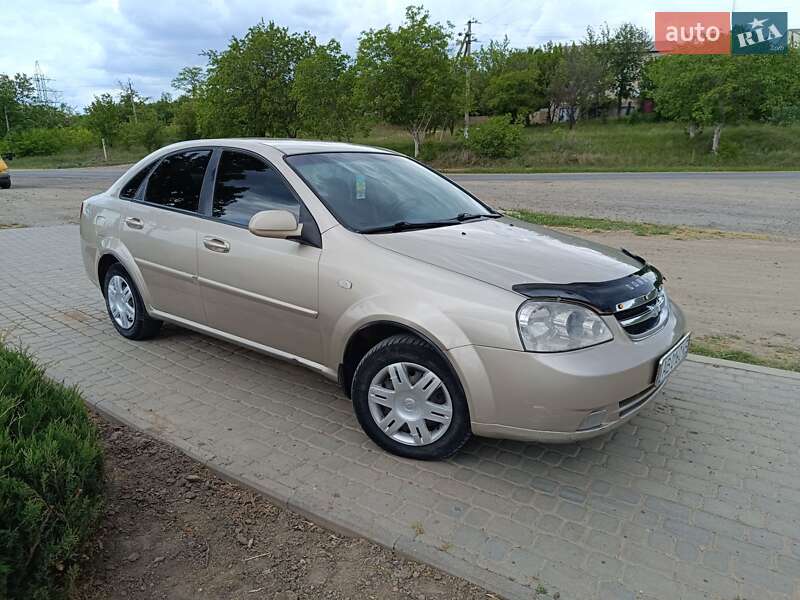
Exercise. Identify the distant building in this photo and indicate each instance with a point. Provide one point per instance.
(794, 38)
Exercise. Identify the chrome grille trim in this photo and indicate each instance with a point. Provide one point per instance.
(634, 302)
(647, 315)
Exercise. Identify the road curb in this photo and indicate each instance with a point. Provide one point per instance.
(732, 364)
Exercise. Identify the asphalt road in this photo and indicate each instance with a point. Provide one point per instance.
(758, 202)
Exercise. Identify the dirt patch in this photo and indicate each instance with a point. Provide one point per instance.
(742, 290)
(174, 530)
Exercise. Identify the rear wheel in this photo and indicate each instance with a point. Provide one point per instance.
(408, 401)
(125, 306)
(5, 184)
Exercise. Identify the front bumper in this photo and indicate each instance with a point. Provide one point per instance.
(547, 397)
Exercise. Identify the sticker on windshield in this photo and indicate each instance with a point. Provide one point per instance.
(361, 187)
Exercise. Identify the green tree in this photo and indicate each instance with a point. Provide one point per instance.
(323, 91)
(579, 80)
(626, 51)
(190, 81)
(518, 88)
(405, 76)
(104, 116)
(490, 61)
(17, 95)
(781, 86)
(248, 88)
(708, 90)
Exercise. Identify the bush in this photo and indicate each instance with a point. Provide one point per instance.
(43, 141)
(146, 132)
(79, 138)
(38, 141)
(498, 137)
(51, 480)
(786, 115)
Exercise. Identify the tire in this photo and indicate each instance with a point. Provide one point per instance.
(5, 184)
(135, 323)
(385, 389)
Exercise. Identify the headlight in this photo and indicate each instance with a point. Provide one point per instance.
(559, 326)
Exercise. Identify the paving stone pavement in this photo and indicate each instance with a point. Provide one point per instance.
(696, 497)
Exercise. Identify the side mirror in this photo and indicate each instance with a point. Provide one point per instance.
(274, 224)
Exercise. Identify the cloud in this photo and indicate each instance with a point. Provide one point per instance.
(87, 46)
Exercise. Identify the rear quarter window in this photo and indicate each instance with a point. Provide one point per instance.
(132, 186)
(177, 181)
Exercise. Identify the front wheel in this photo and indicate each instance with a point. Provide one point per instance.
(408, 401)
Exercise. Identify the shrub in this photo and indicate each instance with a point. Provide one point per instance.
(79, 138)
(42, 141)
(146, 132)
(498, 137)
(786, 115)
(38, 141)
(51, 480)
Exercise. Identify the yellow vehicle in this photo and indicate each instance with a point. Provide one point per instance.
(5, 178)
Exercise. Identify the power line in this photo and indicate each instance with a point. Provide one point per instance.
(44, 93)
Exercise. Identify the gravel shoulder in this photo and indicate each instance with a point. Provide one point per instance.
(744, 290)
(174, 530)
(768, 204)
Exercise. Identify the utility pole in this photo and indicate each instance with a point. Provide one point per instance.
(8, 125)
(466, 48)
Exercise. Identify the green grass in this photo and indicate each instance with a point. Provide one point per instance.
(720, 347)
(593, 224)
(591, 147)
(596, 224)
(616, 146)
(75, 158)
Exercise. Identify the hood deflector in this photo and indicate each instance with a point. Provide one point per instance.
(603, 296)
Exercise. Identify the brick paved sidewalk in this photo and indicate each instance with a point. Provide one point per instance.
(696, 497)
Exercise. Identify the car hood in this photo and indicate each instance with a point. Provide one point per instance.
(506, 252)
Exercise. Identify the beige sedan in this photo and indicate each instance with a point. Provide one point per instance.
(439, 316)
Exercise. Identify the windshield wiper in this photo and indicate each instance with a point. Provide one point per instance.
(406, 226)
(469, 216)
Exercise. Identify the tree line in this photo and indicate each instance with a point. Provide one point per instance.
(277, 83)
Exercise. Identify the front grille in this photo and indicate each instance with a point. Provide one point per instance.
(643, 319)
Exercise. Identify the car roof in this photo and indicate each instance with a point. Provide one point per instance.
(294, 146)
(284, 146)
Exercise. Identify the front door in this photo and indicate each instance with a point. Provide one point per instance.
(261, 289)
(160, 231)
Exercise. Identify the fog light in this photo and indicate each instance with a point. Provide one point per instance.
(594, 419)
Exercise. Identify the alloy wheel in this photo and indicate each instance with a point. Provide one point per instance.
(120, 302)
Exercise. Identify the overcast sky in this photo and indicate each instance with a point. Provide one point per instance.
(85, 47)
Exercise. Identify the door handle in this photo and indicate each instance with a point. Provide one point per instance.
(216, 244)
(134, 223)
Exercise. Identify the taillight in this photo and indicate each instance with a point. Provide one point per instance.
(80, 213)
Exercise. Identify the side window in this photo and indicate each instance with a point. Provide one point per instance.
(129, 190)
(246, 185)
(178, 180)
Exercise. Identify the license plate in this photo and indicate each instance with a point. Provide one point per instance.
(670, 361)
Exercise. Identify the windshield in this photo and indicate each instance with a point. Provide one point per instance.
(370, 191)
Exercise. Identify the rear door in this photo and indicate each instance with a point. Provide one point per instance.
(260, 289)
(160, 231)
